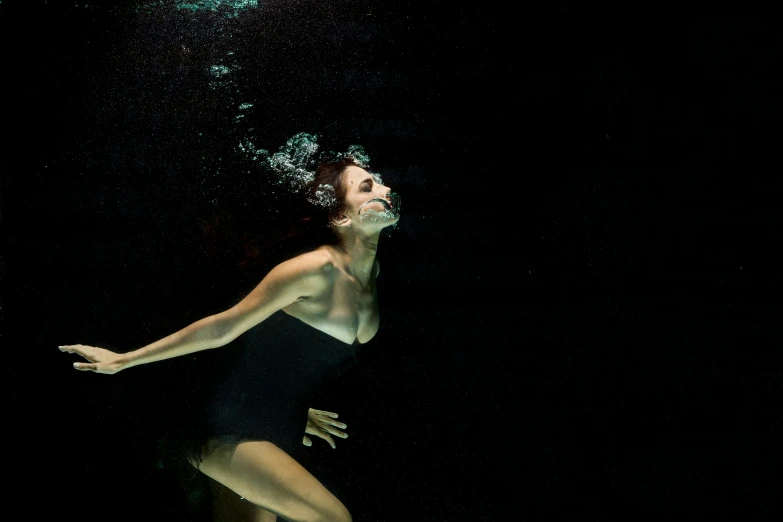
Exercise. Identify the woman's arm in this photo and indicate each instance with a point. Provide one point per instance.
(193, 338)
(201, 335)
(287, 282)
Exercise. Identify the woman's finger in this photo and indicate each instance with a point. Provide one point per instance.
(83, 350)
(72, 348)
(84, 366)
(334, 431)
(334, 423)
(322, 425)
(306, 441)
(327, 413)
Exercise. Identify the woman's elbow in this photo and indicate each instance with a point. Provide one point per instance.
(232, 323)
(223, 328)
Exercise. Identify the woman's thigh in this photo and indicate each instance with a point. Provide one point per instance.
(227, 506)
(265, 475)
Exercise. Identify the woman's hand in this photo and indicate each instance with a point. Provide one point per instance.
(101, 360)
(321, 424)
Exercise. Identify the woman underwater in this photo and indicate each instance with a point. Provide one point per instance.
(320, 304)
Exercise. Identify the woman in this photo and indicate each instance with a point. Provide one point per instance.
(322, 304)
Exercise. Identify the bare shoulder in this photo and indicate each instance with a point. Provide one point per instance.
(314, 268)
(315, 261)
(298, 278)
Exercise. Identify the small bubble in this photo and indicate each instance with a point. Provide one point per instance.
(219, 70)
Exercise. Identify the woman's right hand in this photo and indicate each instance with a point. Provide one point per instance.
(101, 360)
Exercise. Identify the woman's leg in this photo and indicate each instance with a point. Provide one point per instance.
(268, 477)
(227, 506)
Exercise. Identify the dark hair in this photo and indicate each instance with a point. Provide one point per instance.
(305, 224)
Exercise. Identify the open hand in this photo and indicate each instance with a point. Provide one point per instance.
(322, 424)
(101, 360)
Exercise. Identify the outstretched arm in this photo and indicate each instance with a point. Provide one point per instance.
(195, 337)
(284, 284)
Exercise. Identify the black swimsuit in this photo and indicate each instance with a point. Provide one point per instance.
(264, 392)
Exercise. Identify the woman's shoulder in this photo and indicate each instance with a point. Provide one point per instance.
(318, 262)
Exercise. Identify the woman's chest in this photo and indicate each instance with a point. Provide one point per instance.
(346, 312)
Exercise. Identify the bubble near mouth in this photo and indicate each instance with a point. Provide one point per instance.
(392, 206)
(383, 202)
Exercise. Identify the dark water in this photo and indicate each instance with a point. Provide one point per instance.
(580, 305)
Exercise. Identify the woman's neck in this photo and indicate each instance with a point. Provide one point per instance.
(359, 255)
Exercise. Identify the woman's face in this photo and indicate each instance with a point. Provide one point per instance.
(368, 202)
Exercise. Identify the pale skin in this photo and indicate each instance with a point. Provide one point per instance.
(332, 289)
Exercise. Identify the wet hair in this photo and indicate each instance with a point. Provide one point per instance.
(326, 197)
(305, 224)
(329, 177)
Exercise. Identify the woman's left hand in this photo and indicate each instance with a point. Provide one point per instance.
(322, 424)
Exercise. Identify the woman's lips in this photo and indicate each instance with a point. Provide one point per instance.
(383, 202)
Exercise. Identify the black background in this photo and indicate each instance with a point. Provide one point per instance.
(580, 306)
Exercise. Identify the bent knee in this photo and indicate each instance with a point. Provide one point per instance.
(330, 515)
(339, 514)
(345, 517)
